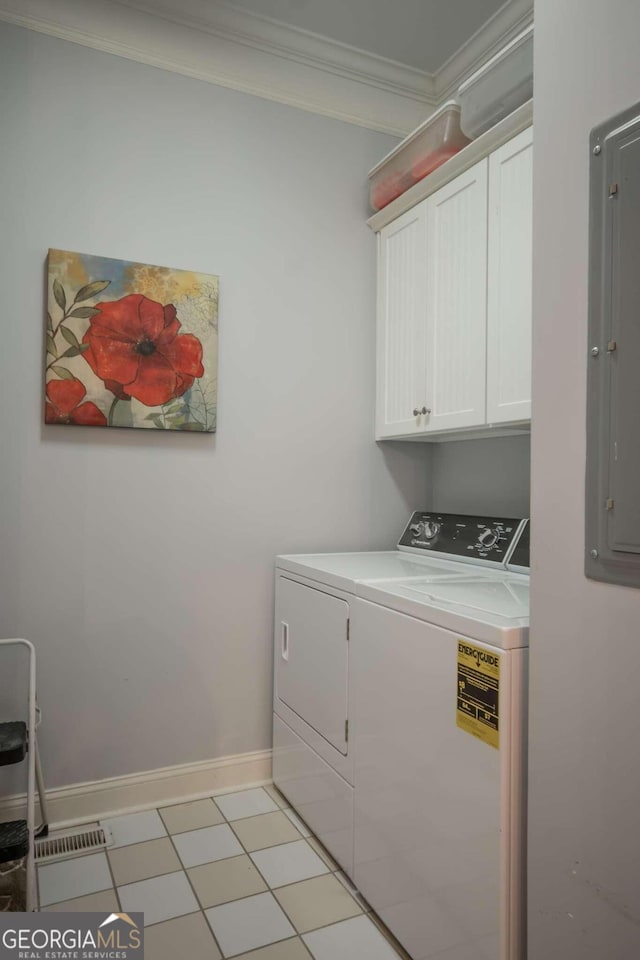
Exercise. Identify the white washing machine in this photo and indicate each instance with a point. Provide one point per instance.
(313, 755)
(438, 710)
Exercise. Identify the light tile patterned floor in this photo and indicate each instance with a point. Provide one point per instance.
(238, 875)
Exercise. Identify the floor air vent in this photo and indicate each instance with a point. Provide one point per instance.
(72, 844)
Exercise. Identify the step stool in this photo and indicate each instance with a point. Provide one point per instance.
(18, 742)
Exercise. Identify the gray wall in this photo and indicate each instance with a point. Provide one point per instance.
(141, 563)
(482, 476)
(584, 852)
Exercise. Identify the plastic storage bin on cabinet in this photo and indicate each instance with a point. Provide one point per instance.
(435, 140)
(499, 87)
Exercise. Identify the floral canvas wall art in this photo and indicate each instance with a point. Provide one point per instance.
(130, 345)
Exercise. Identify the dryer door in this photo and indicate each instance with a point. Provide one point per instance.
(311, 658)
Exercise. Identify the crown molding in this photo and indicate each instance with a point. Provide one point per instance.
(321, 87)
(220, 44)
(505, 24)
(292, 43)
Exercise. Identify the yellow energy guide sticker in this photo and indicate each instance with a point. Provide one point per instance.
(478, 708)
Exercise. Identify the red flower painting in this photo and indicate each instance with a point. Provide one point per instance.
(65, 405)
(140, 340)
(135, 347)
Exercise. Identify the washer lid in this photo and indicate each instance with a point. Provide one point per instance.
(507, 597)
(490, 608)
(344, 570)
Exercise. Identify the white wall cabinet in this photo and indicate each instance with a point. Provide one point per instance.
(454, 304)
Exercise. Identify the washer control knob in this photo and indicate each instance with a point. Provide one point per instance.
(488, 538)
(431, 529)
(417, 529)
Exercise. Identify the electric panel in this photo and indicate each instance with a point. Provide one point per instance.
(612, 544)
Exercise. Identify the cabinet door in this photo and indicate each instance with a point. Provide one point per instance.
(401, 345)
(510, 289)
(457, 301)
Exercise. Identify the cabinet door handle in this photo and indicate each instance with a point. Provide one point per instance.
(284, 650)
(416, 412)
(426, 410)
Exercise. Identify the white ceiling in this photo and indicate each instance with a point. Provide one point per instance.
(418, 33)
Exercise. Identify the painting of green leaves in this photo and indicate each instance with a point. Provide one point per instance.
(130, 345)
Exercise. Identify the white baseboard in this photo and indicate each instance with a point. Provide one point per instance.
(97, 799)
